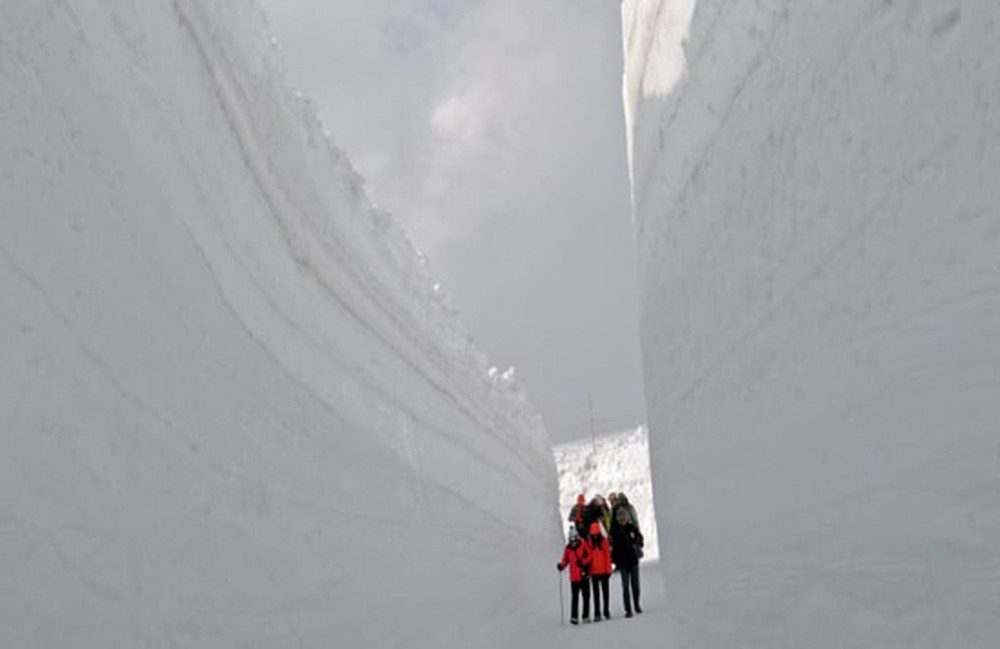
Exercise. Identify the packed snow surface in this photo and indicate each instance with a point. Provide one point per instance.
(818, 224)
(233, 409)
(619, 463)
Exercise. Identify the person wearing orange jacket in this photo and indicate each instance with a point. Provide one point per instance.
(577, 556)
(600, 568)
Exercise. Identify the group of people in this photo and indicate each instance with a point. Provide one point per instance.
(603, 536)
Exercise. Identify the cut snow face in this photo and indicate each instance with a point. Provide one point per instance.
(233, 409)
(654, 33)
(611, 463)
(817, 210)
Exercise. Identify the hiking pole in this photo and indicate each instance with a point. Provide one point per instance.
(562, 606)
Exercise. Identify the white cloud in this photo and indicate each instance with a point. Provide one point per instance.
(459, 119)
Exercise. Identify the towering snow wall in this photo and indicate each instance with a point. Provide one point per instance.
(233, 411)
(817, 210)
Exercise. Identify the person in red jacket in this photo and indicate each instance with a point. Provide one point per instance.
(577, 557)
(600, 568)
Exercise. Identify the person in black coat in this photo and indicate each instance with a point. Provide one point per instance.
(626, 550)
(594, 512)
(623, 503)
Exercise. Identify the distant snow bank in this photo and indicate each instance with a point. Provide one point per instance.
(618, 462)
(233, 409)
(818, 229)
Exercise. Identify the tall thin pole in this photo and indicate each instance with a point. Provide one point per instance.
(562, 606)
(590, 408)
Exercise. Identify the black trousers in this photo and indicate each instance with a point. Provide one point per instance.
(600, 583)
(578, 588)
(630, 581)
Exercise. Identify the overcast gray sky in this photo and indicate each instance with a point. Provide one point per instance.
(493, 131)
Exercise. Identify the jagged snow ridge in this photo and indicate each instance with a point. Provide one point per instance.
(235, 410)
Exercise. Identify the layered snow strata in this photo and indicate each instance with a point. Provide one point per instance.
(818, 226)
(233, 409)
